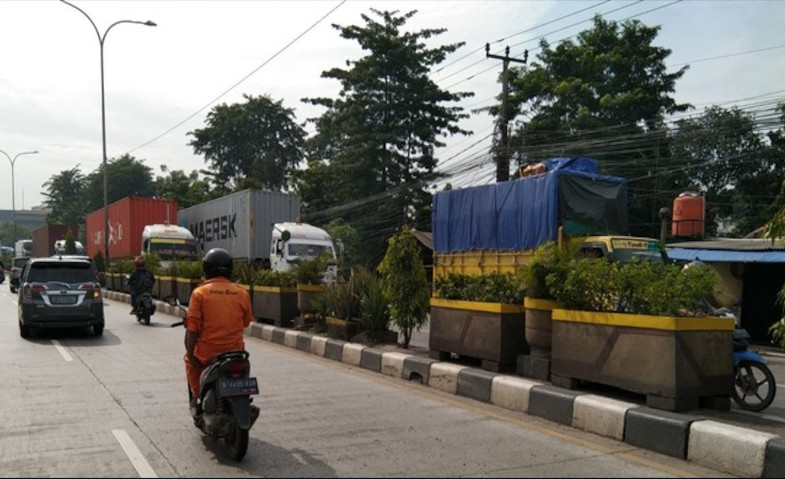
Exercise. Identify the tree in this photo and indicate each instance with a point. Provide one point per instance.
(405, 284)
(375, 142)
(70, 243)
(723, 154)
(186, 190)
(604, 95)
(256, 143)
(64, 193)
(7, 233)
(127, 176)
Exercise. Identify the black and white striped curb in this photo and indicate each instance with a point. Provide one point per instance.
(724, 447)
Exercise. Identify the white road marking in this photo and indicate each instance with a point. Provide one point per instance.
(134, 455)
(62, 350)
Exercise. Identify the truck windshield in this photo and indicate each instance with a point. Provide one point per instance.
(624, 255)
(307, 250)
(174, 251)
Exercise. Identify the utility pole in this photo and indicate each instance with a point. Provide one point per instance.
(503, 152)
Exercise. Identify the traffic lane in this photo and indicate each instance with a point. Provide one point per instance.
(58, 418)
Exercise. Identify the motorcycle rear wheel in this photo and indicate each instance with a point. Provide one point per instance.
(753, 386)
(237, 441)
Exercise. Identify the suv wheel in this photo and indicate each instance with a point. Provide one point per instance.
(98, 330)
(13, 290)
(24, 330)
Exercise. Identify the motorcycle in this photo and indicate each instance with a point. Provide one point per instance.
(754, 385)
(145, 307)
(224, 409)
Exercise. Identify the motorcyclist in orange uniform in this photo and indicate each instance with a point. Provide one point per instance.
(218, 312)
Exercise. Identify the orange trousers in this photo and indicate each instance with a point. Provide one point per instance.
(192, 373)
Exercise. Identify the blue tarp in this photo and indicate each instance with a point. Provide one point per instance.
(512, 215)
(726, 256)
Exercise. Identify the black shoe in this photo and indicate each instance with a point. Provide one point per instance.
(193, 406)
(133, 312)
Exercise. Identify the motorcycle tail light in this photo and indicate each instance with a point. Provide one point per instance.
(238, 369)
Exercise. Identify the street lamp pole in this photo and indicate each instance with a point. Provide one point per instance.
(101, 40)
(13, 194)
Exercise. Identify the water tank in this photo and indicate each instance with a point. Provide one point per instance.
(689, 211)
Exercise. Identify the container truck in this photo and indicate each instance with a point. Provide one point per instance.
(127, 219)
(169, 242)
(23, 248)
(495, 228)
(255, 226)
(46, 237)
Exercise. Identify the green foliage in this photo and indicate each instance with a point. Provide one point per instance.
(635, 287)
(310, 271)
(405, 284)
(257, 143)
(187, 190)
(123, 267)
(777, 330)
(385, 122)
(374, 307)
(548, 259)
(7, 233)
(98, 261)
(70, 243)
(127, 176)
(281, 279)
(188, 269)
(346, 242)
(65, 197)
(153, 263)
(493, 287)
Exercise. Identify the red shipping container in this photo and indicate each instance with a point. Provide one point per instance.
(44, 238)
(127, 219)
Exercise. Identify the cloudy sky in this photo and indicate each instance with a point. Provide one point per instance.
(160, 82)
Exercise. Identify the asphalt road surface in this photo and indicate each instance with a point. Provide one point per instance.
(78, 406)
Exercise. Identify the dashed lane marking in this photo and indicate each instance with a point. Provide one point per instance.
(134, 454)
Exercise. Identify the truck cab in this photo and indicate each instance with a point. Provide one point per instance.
(623, 248)
(59, 248)
(295, 241)
(169, 243)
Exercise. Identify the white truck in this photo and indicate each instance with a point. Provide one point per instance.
(169, 242)
(296, 241)
(59, 248)
(248, 224)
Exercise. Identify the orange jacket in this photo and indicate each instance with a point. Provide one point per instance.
(218, 312)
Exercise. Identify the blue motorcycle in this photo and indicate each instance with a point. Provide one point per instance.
(753, 383)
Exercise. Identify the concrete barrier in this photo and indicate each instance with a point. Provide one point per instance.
(371, 359)
(552, 403)
(415, 367)
(334, 349)
(600, 415)
(475, 384)
(657, 430)
(728, 448)
(278, 335)
(512, 393)
(304, 341)
(392, 363)
(318, 345)
(444, 376)
(290, 338)
(267, 332)
(352, 353)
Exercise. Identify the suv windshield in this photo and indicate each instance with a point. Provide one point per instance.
(64, 272)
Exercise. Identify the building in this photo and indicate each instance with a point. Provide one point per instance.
(751, 272)
(26, 220)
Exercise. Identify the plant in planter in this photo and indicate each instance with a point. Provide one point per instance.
(188, 275)
(405, 283)
(342, 305)
(640, 326)
(275, 296)
(309, 276)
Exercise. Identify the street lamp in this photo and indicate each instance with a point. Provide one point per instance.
(101, 40)
(13, 195)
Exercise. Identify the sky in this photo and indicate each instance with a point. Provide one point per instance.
(160, 82)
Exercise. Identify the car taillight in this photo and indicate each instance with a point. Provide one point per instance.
(33, 290)
(95, 289)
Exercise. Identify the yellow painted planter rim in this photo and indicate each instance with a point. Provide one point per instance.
(666, 323)
(274, 289)
(310, 288)
(543, 304)
(188, 280)
(335, 321)
(477, 306)
(166, 277)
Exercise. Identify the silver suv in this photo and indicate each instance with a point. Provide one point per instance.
(59, 293)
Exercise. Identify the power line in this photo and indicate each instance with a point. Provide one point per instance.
(235, 85)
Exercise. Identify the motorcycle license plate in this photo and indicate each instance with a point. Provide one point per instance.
(237, 386)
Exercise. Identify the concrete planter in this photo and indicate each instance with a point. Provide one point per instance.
(305, 293)
(338, 328)
(275, 304)
(491, 332)
(538, 330)
(184, 287)
(166, 288)
(677, 362)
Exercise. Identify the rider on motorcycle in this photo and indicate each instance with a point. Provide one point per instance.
(141, 280)
(218, 312)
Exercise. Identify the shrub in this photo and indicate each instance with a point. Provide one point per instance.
(281, 279)
(548, 259)
(492, 287)
(188, 269)
(374, 307)
(310, 271)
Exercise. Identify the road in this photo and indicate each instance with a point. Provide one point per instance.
(78, 406)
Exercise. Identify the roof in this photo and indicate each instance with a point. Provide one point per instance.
(729, 250)
(425, 238)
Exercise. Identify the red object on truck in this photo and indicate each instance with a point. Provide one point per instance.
(44, 238)
(127, 219)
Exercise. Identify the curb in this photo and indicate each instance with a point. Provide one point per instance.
(724, 447)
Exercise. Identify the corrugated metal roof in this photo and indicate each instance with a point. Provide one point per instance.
(733, 244)
(726, 256)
